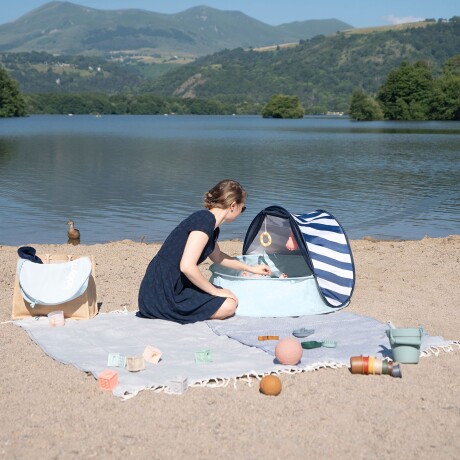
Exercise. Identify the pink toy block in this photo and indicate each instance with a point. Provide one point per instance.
(108, 379)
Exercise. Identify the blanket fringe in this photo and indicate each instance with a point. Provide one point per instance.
(252, 375)
(212, 383)
(433, 350)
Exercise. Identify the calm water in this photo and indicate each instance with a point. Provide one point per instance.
(136, 177)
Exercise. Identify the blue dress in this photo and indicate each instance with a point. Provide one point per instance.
(165, 292)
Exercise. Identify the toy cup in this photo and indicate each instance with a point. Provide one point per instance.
(371, 365)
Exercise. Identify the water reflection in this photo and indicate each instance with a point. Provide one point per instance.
(136, 177)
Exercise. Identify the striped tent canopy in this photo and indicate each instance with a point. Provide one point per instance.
(320, 239)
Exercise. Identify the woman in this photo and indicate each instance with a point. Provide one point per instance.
(173, 287)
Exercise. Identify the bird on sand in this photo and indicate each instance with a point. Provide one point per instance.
(73, 233)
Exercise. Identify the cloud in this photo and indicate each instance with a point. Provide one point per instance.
(402, 20)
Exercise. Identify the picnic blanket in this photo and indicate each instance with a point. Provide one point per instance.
(87, 344)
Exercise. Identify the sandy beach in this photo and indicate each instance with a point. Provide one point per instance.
(54, 411)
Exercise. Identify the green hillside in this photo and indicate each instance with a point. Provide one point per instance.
(67, 28)
(322, 71)
(46, 73)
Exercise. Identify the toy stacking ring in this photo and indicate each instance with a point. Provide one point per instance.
(268, 241)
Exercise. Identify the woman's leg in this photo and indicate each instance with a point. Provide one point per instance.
(226, 310)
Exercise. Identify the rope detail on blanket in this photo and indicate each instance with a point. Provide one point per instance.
(330, 255)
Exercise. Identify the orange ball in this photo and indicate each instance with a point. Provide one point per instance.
(288, 351)
(270, 385)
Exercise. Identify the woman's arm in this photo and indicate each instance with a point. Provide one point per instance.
(220, 258)
(189, 265)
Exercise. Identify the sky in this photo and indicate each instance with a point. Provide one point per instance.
(358, 13)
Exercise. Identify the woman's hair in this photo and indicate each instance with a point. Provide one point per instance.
(223, 194)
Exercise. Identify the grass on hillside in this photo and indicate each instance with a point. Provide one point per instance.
(367, 30)
(60, 69)
(274, 47)
(395, 27)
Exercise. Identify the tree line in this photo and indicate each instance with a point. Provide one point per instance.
(412, 92)
(123, 104)
(409, 92)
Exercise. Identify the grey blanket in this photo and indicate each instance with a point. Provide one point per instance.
(87, 344)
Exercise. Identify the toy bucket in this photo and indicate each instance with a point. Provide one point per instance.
(405, 344)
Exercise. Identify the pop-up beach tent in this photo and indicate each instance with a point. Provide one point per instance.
(311, 262)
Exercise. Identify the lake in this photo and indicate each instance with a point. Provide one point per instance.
(136, 177)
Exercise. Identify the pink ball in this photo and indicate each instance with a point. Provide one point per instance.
(288, 351)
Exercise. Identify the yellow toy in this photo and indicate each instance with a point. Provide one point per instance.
(263, 242)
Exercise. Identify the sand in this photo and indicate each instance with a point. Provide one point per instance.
(49, 410)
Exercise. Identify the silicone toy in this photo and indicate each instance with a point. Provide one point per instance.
(265, 242)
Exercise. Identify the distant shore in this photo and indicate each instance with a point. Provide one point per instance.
(60, 412)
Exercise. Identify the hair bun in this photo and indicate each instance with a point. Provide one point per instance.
(223, 194)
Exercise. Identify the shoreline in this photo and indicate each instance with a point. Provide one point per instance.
(60, 411)
(230, 240)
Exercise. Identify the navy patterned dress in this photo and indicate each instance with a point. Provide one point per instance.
(165, 292)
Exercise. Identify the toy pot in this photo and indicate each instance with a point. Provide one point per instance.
(405, 344)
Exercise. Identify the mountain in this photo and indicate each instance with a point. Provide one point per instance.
(322, 71)
(67, 28)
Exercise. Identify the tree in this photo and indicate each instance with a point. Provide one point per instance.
(446, 99)
(452, 66)
(364, 108)
(12, 103)
(283, 106)
(407, 92)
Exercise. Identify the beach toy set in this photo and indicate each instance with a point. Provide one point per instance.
(374, 366)
(288, 351)
(405, 347)
(108, 379)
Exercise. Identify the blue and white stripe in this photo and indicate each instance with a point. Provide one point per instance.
(330, 255)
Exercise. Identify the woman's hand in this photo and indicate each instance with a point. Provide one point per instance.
(261, 269)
